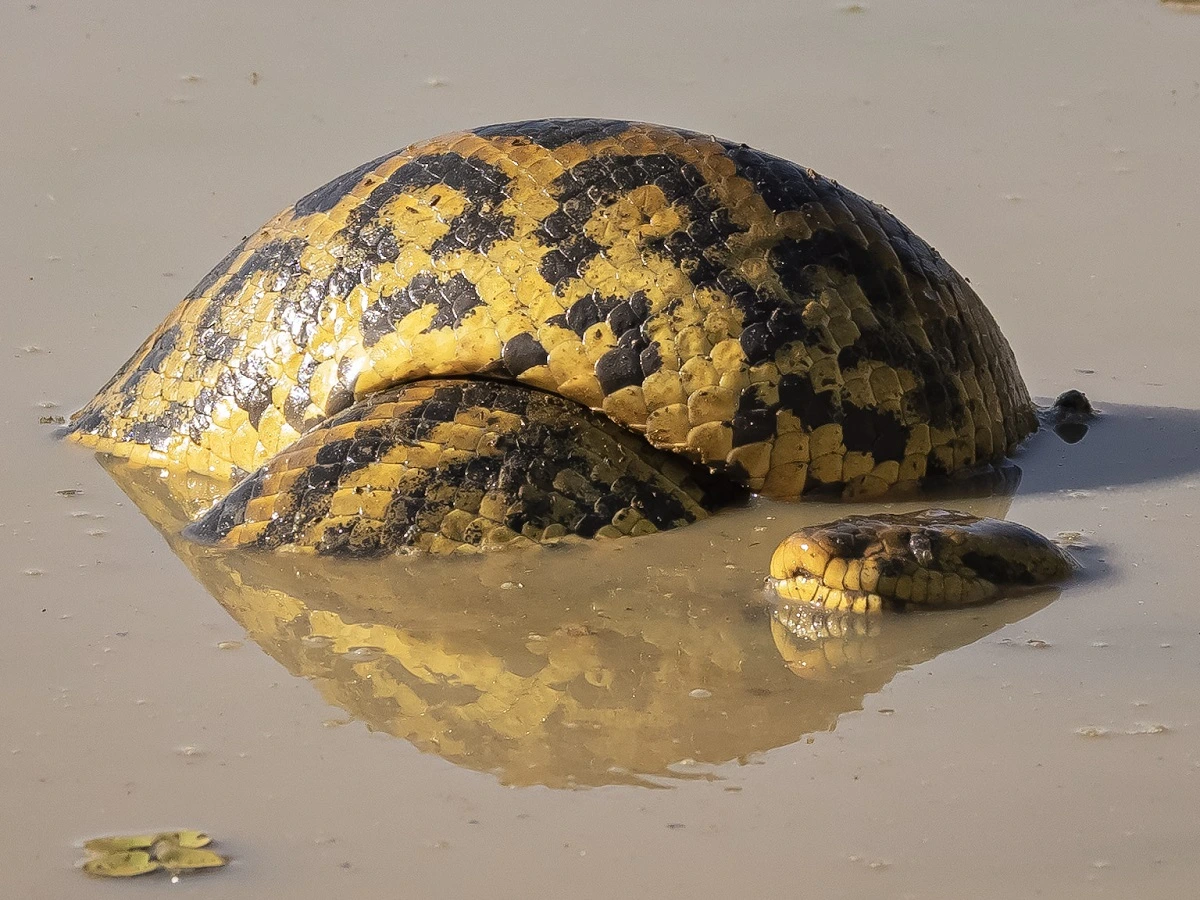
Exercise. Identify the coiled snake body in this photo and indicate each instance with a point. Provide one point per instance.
(555, 327)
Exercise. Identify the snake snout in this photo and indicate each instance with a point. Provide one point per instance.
(933, 558)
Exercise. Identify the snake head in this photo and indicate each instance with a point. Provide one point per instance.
(932, 558)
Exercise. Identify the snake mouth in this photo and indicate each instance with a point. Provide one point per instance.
(934, 559)
(810, 588)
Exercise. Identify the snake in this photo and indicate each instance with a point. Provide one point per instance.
(560, 329)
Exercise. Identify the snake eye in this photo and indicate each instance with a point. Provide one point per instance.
(921, 549)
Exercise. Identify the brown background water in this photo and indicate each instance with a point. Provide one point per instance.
(1048, 150)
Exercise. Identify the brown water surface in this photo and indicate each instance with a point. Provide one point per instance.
(617, 721)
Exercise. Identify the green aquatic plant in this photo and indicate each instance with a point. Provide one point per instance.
(123, 856)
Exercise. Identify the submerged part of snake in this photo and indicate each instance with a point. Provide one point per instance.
(931, 558)
(775, 331)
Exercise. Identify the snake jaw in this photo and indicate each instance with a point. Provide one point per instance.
(934, 558)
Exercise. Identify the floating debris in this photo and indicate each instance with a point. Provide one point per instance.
(1074, 540)
(124, 864)
(124, 856)
(1139, 728)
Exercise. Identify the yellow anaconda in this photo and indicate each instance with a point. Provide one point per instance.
(471, 333)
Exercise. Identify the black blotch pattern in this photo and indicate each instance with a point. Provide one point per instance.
(521, 352)
(325, 198)
(88, 421)
(474, 229)
(567, 259)
(163, 345)
(618, 368)
(216, 344)
(935, 471)
(997, 569)
(892, 346)
(792, 259)
(157, 430)
(554, 133)
(783, 184)
(650, 359)
(754, 420)
(205, 284)
(454, 298)
(281, 257)
(201, 417)
(867, 430)
(587, 311)
(483, 186)
(597, 181)
(812, 408)
(229, 513)
(299, 308)
(296, 404)
(252, 386)
(341, 394)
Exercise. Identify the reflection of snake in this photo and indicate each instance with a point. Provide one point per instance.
(776, 331)
(493, 663)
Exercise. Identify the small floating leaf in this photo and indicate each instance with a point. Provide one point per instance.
(123, 864)
(172, 856)
(121, 843)
(121, 856)
(188, 839)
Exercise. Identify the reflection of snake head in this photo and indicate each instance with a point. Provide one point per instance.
(657, 674)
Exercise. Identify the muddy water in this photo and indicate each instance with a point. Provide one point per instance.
(532, 725)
